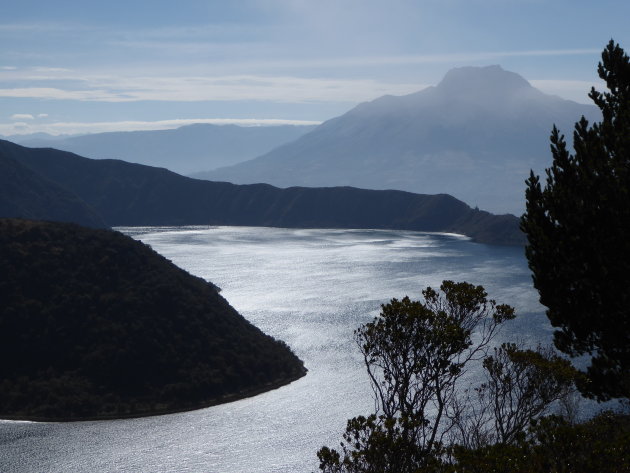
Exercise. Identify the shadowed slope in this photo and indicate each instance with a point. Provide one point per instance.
(95, 324)
(26, 194)
(133, 194)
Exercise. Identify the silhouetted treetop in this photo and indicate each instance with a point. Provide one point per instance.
(577, 226)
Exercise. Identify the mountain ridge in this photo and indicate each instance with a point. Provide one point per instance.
(128, 194)
(475, 135)
(187, 149)
(26, 194)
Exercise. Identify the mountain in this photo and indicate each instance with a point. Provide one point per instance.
(475, 136)
(132, 194)
(26, 194)
(185, 150)
(94, 324)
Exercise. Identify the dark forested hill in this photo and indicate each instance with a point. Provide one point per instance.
(133, 194)
(26, 194)
(96, 324)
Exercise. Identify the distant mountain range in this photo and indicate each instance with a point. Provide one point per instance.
(123, 193)
(475, 135)
(191, 148)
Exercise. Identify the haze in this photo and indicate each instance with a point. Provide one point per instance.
(106, 66)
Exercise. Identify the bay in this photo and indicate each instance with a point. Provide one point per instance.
(312, 289)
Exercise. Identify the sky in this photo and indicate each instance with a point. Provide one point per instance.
(69, 67)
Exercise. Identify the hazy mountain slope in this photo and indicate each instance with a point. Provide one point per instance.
(97, 324)
(184, 150)
(26, 194)
(133, 194)
(475, 135)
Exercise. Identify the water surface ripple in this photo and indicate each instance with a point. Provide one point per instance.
(310, 288)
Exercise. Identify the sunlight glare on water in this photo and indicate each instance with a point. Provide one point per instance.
(310, 288)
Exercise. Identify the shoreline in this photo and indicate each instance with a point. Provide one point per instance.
(271, 386)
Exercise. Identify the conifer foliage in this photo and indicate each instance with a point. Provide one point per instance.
(578, 230)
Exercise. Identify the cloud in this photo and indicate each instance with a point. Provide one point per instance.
(575, 90)
(38, 27)
(22, 116)
(42, 115)
(419, 59)
(60, 94)
(17, 127)
(72, 128)
(327, 79)
(280, 89)
(51, 69)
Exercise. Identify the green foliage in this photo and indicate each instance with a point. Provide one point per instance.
(523, 384)
(520, 386)
(377, 444)
(600, 445)
(96, 324)
(415, 353)
(578, 226)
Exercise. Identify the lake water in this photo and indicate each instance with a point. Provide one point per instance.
(310, 288)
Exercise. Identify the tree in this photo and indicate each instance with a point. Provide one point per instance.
(415, 353)
(578, 231)
(521, 385)
(601, 444)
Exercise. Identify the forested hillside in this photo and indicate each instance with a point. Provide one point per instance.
(95, 324)
(132, 194)
(26, 194)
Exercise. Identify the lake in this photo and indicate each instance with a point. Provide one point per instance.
(310, 288)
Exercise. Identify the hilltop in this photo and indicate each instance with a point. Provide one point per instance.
(474, 136)
(94, 324)
(185, 150)
(26, 194)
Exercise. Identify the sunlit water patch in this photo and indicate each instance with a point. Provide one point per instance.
(310, 288)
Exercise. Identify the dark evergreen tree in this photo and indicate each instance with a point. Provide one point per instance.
(578, 230)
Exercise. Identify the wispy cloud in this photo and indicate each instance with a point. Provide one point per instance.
(198, 83)
(22, 116)
(59, 94)
(134, 86)
(418, 59)
(73, 128)
(280, 89)
(51, 69)
(39, 27)
(576, 90)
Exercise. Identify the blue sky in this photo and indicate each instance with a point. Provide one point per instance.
(81, 66)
